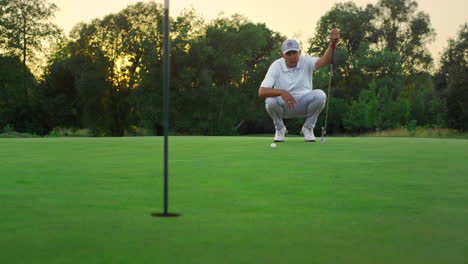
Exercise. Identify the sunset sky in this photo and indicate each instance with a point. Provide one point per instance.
(295, 18)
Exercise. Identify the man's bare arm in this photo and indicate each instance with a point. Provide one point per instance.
(326, 58)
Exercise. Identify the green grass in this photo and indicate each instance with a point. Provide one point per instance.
(351, 200)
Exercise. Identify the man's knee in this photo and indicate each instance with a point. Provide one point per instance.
(320, 95)
(273, 103)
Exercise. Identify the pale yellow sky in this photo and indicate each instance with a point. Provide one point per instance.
(291, 18)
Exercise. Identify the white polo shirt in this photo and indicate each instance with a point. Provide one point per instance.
(296, 81)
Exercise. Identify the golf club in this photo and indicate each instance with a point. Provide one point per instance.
(324, 127)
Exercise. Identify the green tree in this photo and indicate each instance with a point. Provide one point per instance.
(15, 110)
(452, 79)
(357, 33)
(113, 66)
(401, 29)
(360, 116)
(354, 24)
(427, 107)
(376, 109)
(59, 94)
(24, 25)
(109, 57)
(12, 99)
(222, 73)
(383, 46)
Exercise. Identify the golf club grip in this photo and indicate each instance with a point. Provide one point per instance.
(333, 52)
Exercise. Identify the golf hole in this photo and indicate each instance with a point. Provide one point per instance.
(165, 215)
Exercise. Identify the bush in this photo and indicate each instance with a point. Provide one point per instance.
(8, 129)
(411, 127)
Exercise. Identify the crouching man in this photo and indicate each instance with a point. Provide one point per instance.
(288, 90)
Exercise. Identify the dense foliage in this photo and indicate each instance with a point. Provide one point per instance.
(107, 75)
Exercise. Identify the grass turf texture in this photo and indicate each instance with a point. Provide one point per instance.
(351, 200)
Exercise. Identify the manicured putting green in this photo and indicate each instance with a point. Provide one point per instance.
(351, 200)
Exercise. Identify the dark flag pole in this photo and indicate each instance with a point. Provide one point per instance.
(166, 77)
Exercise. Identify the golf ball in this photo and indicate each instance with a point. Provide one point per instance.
(273, 145)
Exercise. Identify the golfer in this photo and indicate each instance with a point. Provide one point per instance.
(287, 88)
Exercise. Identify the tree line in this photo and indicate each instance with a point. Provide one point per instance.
(107, 74)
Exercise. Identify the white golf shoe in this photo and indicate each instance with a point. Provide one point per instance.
(280, 134)
(308, 134)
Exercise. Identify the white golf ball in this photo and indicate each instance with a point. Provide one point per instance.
(273, 145)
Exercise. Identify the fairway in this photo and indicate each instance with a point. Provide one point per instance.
(350, 200)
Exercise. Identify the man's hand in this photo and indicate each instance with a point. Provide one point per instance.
(288, 99)
(334, 36)
(326, 58)
(271, 92)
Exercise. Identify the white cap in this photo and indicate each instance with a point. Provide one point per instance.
(290, 44)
